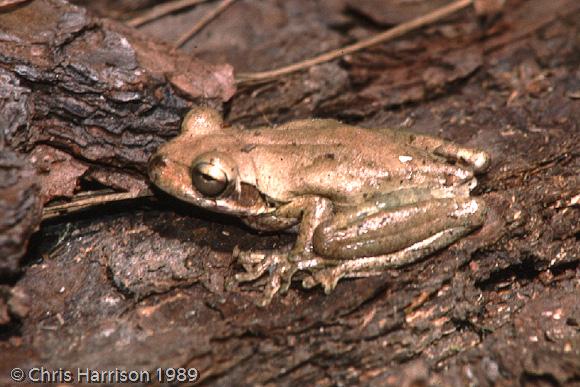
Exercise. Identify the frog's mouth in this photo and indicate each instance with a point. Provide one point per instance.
(175, 179)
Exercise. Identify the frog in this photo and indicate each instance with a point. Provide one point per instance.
(361, 200)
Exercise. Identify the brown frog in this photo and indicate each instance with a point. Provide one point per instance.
(362, 200)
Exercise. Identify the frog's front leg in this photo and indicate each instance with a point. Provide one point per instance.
(311, 211)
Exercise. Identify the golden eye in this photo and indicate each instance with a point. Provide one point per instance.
(213, 174)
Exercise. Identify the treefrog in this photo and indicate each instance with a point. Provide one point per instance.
(361, 200)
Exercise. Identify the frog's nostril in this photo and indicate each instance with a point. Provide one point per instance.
(156, 162)
(481, 161)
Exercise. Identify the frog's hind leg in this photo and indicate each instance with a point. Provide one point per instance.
(367, 242)
(377, 228)
(479, 160)
(369, 266)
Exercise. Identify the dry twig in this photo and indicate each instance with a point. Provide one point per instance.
(392, 33)
(10, 3)
(162, 10)
(203, 22)
(81, 201)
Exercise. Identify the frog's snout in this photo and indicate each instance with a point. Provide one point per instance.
(156, 163)
(481, 161)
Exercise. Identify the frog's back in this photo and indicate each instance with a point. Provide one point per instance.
(344, 163)
(325, 134)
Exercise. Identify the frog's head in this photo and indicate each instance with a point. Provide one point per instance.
(200, 166)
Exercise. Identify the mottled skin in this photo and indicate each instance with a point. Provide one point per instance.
(362, 199)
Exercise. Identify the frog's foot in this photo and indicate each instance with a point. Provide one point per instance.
(280, 266)
(254, 263)
(280, 278)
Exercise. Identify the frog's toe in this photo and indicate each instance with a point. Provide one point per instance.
(249, 257)
(247, 277)
(309, 282)
(270, 291)
(286, 271)
(329, 281)
(253, 266)
(281, 273)
(327, 278)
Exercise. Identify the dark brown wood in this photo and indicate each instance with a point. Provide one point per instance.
(87, 99)
(21, 208)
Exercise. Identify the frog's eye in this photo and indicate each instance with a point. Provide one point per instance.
(213, 174)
